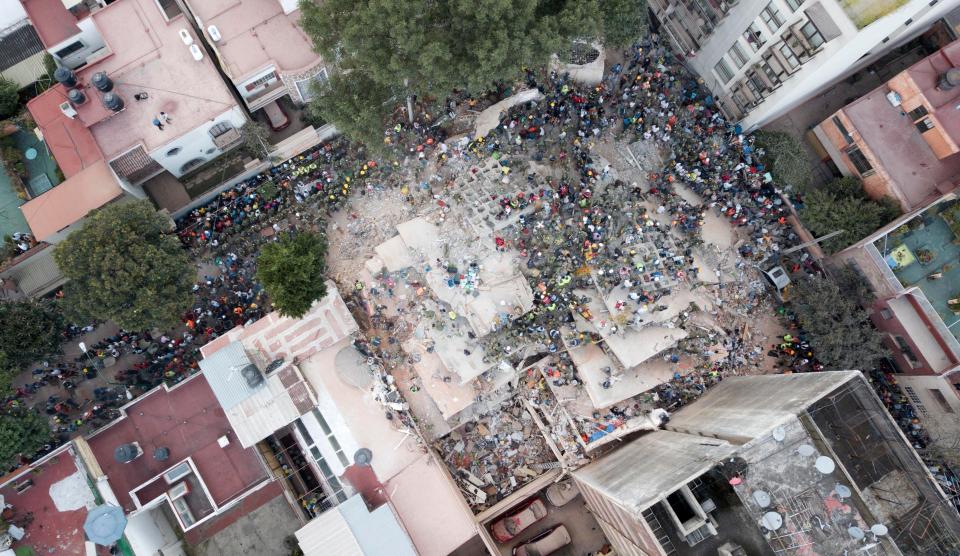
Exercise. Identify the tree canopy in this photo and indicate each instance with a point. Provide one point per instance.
(23, 433)
(429, 48)
(29, 331)
(356, 103)
(785, 157)
(124, 266)
(843, 205)
(9, 98)
(831, 313)
(292, 271)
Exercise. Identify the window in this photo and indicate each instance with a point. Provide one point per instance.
(330, 437)
(68, 50)
(170, 8)
(220, 128)
(263, 81)
(774, 64)
(756, 85)
(812, 34)
(305, 86)
(914, 398)
(304, 433)
(768, 71)
(329, 477)
(843, 130)
(737, 55)
(190, 165)
(794, 5)
(771, 17)
(723, 71)
(789, 56)
(174, 151)
(924, 125)
(937, 395)
(859, 161)
(183, 510)
(918, 113)
(754, 37)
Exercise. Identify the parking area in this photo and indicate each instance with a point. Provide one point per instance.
(585, 534)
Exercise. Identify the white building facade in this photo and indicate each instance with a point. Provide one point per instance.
(746, 51)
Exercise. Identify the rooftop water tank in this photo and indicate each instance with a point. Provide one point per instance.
(65, 76)
(949, 79)
(103, 83)
(76, 96)
(112, 101)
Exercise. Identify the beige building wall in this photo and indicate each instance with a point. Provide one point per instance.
(937, 401)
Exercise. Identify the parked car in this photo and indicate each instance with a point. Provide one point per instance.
(560, 493)
(519, 518)
(549, 541)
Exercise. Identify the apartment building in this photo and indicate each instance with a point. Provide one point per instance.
(761, 58)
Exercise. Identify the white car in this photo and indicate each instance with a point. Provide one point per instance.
(551, 540)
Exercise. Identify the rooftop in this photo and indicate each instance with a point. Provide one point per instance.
(256, 34)
(350, 529)
(58, 498)
(865, 12)
(53, 22)
(923, 253)
(147, 55)
(70, 201)
(72, 144)
(187, 420)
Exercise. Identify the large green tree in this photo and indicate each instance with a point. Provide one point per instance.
(9, 98)
(22, 433)
(785, 157)
(843, 205)
(356, 103)
(431, 47)
(124, 266)
(832, 313)
(29, 331)
(292, 271)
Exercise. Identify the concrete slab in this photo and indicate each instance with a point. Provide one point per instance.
(262, 532)
(490, 118)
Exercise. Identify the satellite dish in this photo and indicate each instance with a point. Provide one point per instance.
(856, 532)
(843, 491)
(779, 434)
(825, 465)
(771, 521)
(761, 498)
(806, 450)
(879, 529)
(363, 457)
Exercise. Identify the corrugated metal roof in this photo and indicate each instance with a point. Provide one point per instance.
(351, 530)
(37, 275)
(267, 410)
(328, 534)
(18, 44)
(222, 370)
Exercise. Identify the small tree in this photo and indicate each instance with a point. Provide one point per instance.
(22, 433)
(256, 140)
(123, 266)
(28, 331)
(292, 271)
(834, 320)
(785, 157)
(9, 98)
(623, 21)
(355, 104)
(842, 205)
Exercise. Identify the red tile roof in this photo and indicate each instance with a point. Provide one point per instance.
(53, 22)
(70, 142)
(187, 420)
(70, 201)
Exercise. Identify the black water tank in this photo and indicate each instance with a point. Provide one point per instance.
(76, 97)
(65, 76)
(112, 101)
(103, 83)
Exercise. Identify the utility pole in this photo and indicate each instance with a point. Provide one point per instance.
(406, 83)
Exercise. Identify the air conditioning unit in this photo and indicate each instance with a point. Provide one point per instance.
(68, 110)
(214, 33)
(894, 98)
(185, 37)
(196, 52)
